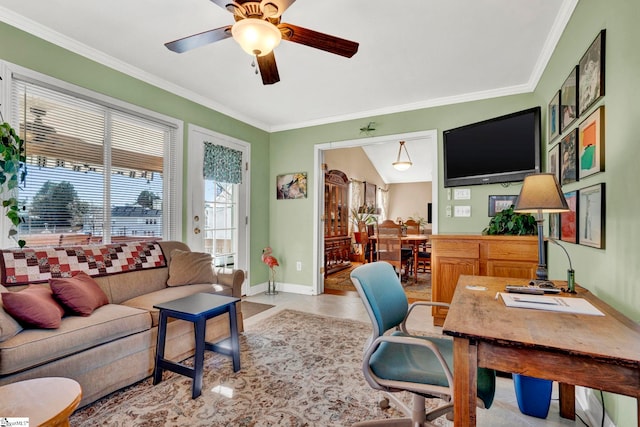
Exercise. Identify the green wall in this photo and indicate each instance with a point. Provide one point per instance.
(31, 52)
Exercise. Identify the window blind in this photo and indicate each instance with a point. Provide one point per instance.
(93, 171)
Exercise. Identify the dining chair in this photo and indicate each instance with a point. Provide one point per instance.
(395, 360)
(413, 227)
(365, 243)
(390, 250)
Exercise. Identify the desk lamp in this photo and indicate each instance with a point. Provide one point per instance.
(540, 194)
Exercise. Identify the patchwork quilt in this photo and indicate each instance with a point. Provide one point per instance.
(24, 266)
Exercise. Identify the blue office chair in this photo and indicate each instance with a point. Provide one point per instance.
(400, 361)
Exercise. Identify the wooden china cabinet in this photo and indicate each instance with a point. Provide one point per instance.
(337, 242)
(453, 255)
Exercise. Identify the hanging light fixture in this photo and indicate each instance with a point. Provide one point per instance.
(256, 36)
(402, 165)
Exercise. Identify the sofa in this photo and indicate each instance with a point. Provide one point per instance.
(114, 345)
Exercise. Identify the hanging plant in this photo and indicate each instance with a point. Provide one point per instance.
(13, 172)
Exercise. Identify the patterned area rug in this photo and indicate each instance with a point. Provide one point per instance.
(298, 369)
(341, 281)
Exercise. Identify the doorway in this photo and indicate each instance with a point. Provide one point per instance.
(217, 208)
(429, 138)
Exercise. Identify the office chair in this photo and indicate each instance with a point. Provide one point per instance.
(400, 361)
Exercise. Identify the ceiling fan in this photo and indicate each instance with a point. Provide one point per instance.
(258, 30)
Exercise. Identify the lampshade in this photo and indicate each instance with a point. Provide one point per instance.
(541, 193)
(402, 165)
(256, 36)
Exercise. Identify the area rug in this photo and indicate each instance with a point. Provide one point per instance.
(421, 290)
(298, 369)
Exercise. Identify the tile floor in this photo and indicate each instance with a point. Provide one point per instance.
(504, 411)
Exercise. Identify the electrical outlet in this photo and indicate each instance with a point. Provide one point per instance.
(448, 211)
(299, 265)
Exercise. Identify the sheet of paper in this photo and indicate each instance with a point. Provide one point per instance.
(550, 303)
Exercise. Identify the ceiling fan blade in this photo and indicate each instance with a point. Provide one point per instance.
(268, 69)
(318, 40)
(200, 39)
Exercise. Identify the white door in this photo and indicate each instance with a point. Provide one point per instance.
(217, 221)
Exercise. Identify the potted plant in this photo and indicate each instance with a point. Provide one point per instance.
(365, 214)
(508, 222)
(13, 171)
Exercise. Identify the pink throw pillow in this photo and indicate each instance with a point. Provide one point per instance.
(34, 306)
(81, 294)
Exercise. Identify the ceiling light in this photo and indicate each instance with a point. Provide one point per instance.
(402, 165)
(256, 36)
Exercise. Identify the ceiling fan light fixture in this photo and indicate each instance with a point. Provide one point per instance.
(402, 165)
(256, 36)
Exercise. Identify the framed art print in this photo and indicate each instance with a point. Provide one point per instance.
(591, 144)
(499, 203)
(370, 195)
(592, 216)
(569, 100)
(553, 117)
(553, 161)
(591, 71)
(569, 220)
(291, 186)
(568, 153)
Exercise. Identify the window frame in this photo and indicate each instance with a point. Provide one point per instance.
(172, 157)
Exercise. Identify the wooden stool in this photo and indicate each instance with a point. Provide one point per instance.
(44, 401)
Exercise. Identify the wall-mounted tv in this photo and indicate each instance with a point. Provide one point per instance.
(502, 149)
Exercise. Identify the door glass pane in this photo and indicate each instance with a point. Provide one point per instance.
(221, 222)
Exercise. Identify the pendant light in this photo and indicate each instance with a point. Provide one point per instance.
(402, 165)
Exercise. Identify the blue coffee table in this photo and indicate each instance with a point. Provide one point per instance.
(197, 308)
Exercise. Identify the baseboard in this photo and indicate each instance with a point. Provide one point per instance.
(589, 407)
(281, 287)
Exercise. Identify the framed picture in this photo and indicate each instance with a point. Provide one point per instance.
(568, 153)
(591, 144)
(499, 203)
(370, 195)
(554, 226)
(553, 117)
(553, 161)
(569, 220)
(592, 203)
(591, 71)
(569, 100)
(291, 186)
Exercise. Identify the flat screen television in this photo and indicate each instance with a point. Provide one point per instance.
(502, 149)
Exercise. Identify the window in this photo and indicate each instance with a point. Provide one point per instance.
(96, 171)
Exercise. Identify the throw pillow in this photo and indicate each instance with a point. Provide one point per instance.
(188, 268)
(34, 306)
(80, 294)
(9, 327)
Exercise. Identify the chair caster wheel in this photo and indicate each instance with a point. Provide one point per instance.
(384, 404)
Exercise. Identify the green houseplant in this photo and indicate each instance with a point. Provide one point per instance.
(13, 172)
(365, 214)
(508, 222)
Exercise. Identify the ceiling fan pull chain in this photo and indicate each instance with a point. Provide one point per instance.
(253, 64)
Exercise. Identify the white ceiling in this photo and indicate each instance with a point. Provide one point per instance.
(412, 54)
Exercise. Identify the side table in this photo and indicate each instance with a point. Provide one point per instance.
(197, 308)
(48, 401)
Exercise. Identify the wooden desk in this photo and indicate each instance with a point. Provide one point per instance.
(45, 401)
(592, 351)
(415, 240)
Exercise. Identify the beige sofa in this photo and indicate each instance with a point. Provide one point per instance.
(115, 345)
